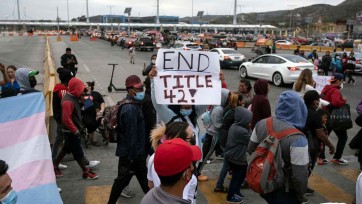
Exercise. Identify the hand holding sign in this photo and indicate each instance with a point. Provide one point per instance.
(187, 77)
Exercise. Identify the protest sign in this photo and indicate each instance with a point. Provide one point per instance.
(321, 81)
(187, 77)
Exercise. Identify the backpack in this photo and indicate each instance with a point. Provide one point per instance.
(265, 171)
(110, 121)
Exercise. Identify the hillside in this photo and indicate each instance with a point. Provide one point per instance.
(328, 13)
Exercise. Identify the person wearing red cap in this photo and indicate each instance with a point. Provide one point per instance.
(72, 125)
(333, 95)
(130, 140)
(167, 132)
(173, 164)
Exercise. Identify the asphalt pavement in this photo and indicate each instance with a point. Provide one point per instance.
(331, 182)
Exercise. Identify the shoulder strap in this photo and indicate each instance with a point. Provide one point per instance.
(282, 134)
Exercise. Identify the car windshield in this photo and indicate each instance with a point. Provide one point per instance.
(193, 46)
(295, 58)
(230, 52)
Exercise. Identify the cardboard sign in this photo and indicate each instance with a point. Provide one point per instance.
(321, 81)
(187, 77)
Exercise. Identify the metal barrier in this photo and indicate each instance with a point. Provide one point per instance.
(50, 80)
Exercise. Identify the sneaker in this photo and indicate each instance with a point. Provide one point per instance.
(211, 160)
(239, 195)
(90, 175)
(59, 190)
(305, 200)
(235, 199)
(92, 164)
(339, 161)
(126, 193)
(354, 82)
(325, 161)
(202, 178)
(58, 173)
(62, 166)
(309, 192)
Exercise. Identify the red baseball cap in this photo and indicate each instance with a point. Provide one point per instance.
(134, 81)
(174, 156)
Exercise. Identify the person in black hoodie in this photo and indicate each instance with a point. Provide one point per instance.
(351, 65)
(235, 152)
(260, 105)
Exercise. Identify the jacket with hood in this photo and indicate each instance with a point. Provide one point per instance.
(228, 120)
(290, 112)
(22, 77)
(165, 114)
(131, 131)
(217, 113)
(59, 91)
(260, 106)
(238, 137)
(71, 108)
(333, 95)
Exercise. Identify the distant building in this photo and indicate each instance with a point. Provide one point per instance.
(108, 19)
(163, 19)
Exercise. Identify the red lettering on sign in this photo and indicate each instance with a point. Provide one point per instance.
(169, 96)
(208, 81)
(198, 85)
(164, 77)
(178, 84)
(188, 77)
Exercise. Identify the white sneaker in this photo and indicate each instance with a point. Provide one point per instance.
(62, 166)
(126, 193)
(92, 164)
(60, 190)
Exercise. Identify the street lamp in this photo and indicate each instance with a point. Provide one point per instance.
(68, 12)
(128, 11)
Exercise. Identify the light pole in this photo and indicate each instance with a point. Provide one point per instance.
(68, 12)
(192, 15)
(87, 11)
(18, 11)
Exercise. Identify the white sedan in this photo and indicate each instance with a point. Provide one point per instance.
(229, 57)
(277, 68)
(186, 45)
(279, 43)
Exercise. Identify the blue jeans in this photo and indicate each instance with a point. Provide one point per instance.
(222, 175)
(238, 176)
(281, 197)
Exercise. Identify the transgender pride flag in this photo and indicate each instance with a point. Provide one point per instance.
(24, 145)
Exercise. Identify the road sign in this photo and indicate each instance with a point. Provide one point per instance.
(200, 14)
(308, 19)
(128, 10)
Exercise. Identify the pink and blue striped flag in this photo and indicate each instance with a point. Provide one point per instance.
(24, 145)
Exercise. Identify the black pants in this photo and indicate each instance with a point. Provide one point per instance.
(349, 74)
(341, 143)
(126, 170)
(207, 150)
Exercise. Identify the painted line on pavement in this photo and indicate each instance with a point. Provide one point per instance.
(86, 68)
(97, 194)
(350, 174)
(328, 190)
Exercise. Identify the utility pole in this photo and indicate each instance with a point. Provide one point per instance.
(68, 12)
(18, 11)
(158, 12)
(58, 19)
(87, 11)
(291, 16)
(235, 16)
(192, 15)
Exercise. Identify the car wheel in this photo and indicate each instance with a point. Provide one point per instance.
(243, 72)
(277, 79)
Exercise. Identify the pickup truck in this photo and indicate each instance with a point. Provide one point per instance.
(144, 43)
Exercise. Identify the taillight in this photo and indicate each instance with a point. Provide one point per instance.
(186, 48)
(293, 68)
(227, 58)
(141, 43)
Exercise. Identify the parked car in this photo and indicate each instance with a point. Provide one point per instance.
(277, 68)
(279, 43)
(357, 55)
(186, 45)
(144, 43)
(317, 44)
(229, 57)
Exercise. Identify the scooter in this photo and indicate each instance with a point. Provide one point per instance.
(111, 82)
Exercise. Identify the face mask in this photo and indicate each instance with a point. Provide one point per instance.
(186, 112)
(139, 96)
(10, 198)
(153, 61)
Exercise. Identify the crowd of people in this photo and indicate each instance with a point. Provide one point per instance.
(170, 136)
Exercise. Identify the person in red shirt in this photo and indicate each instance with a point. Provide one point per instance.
(333, 95)
(224, 85)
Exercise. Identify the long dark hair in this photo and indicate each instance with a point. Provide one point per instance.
(176, 109)
(91, 84)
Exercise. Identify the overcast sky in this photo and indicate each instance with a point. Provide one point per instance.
(47, 9)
